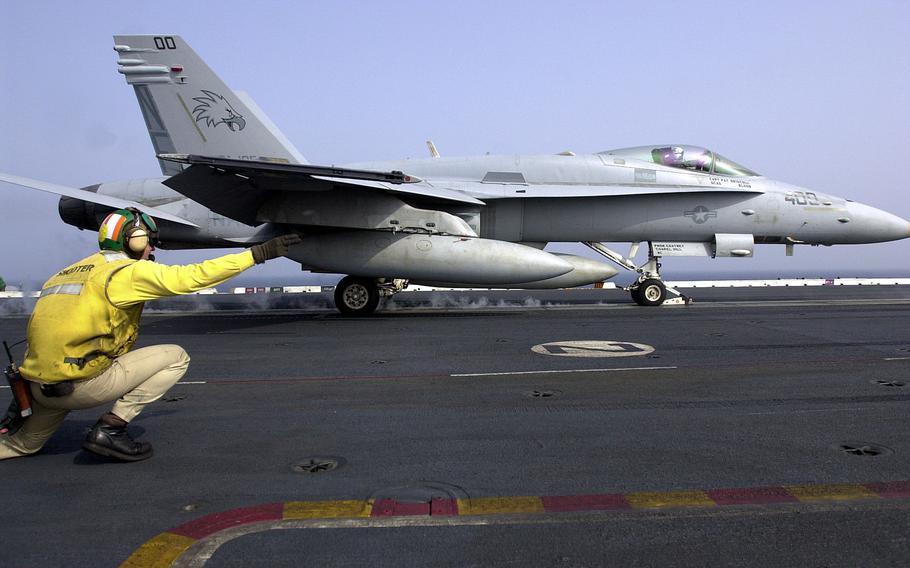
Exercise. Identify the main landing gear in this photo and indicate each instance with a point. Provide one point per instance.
(357, 296)
(648, 289)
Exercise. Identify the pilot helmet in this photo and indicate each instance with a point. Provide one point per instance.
(128, 230)
(668, 156)
(676, 155)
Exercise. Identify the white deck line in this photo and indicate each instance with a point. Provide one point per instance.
(789, 282)
(554, 371)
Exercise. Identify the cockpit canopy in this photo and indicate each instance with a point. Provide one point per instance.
(692, 158)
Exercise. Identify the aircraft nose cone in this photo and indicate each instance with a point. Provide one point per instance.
(876, 226)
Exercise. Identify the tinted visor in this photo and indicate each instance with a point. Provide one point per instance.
(152, 227)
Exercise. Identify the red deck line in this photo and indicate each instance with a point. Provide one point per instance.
(393, 508)
(210, 524)
(443, 507)
(890, 489)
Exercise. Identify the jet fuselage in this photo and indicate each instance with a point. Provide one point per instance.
(590, 198)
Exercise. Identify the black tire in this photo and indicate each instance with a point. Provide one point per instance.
(636, 297)
(356, 296)
(652, 292)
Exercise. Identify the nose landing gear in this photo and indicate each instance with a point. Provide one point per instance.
(648, 289)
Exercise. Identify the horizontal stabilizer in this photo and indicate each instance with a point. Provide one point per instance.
(251, 168)
(92, 197)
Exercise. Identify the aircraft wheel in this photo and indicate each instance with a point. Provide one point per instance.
(652, 292)
(636, 296)
(356, 296)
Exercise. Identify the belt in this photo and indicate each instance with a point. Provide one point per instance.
(64, 388)
(81, 362)
(56, 390)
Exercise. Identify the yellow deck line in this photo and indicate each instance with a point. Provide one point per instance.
(500, 505)
(655, 500)
(296, 510)
(831, 492)
(160, 552)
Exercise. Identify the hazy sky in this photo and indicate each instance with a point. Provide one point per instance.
(813, 93)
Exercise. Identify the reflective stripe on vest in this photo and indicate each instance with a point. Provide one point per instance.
(74, 289)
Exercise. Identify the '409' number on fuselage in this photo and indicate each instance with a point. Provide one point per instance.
(801, 198)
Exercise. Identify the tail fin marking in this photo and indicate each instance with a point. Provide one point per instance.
(188, 109)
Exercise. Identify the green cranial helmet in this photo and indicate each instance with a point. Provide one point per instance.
(127, 230)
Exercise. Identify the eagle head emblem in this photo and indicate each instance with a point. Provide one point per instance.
(215, 109)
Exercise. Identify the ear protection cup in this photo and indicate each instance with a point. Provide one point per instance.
(137, 240)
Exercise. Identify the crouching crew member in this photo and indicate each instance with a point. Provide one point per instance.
(87, 319)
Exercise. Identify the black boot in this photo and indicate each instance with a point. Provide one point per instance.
(108, 437)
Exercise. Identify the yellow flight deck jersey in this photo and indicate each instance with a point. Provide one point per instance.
(88, 313)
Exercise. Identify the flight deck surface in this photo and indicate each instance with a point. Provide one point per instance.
(754, 427)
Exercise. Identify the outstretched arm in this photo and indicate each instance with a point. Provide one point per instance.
(146, 280)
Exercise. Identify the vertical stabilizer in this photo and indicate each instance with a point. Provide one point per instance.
(189, 110)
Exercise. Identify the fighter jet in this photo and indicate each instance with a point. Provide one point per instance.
(234, 180)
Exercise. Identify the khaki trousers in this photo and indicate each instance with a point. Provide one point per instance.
(133, 381)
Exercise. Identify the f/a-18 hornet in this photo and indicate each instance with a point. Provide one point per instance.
(234, 180)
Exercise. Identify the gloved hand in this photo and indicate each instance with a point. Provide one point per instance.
(273, 248)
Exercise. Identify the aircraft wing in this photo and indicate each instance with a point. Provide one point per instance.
(236, 188)
(107, 200)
